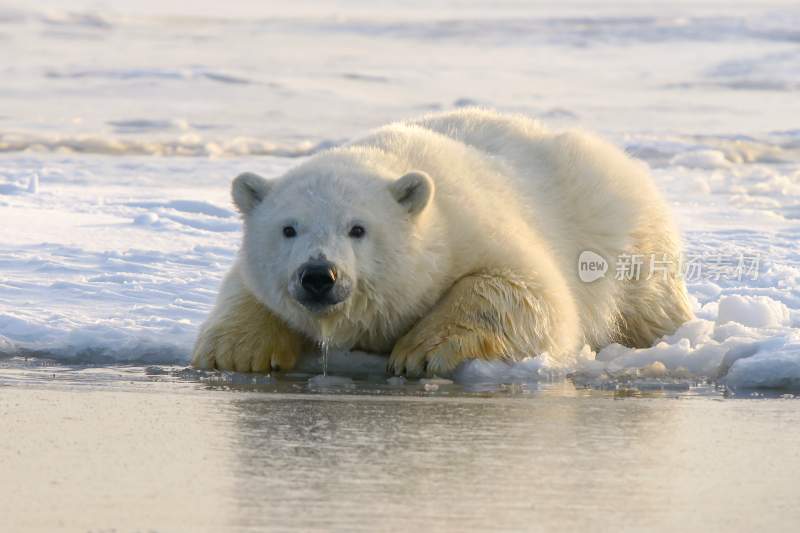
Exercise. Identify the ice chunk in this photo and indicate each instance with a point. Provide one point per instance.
(753, 311)
(707, 159)
(146, 219)
(773, 363)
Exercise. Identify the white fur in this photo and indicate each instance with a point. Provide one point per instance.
(506, 195)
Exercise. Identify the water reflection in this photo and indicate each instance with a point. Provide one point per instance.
(90, 448)
(477, 462)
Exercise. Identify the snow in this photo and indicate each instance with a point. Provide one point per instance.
(114, 170)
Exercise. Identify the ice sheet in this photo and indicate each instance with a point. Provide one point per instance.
(115, 220)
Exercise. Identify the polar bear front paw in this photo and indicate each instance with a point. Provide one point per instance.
(422, 353)
(489, 315)
(247, 352)
(248, 339)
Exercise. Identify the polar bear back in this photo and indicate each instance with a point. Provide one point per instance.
(574, 192)
(572, 189)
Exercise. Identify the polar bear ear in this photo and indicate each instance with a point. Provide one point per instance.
(248, 190)
(413, 191)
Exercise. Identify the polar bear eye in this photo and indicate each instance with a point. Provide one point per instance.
(289, 232)
(357, 231)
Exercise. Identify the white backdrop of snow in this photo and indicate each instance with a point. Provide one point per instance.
(116, 222)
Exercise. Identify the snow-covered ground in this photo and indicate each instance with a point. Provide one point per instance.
(121, 125)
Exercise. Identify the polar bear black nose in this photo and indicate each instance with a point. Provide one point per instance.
(318, 279)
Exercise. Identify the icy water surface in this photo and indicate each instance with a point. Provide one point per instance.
(168, 449)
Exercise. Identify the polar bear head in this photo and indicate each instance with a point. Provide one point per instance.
(339, 247)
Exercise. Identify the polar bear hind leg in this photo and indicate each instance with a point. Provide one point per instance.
(651, 310)
(655, 304)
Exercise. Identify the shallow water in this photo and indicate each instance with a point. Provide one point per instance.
(165, 448)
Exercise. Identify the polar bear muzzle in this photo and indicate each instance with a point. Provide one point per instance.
(319, 286)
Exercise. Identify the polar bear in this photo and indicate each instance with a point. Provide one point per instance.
(455, 236)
